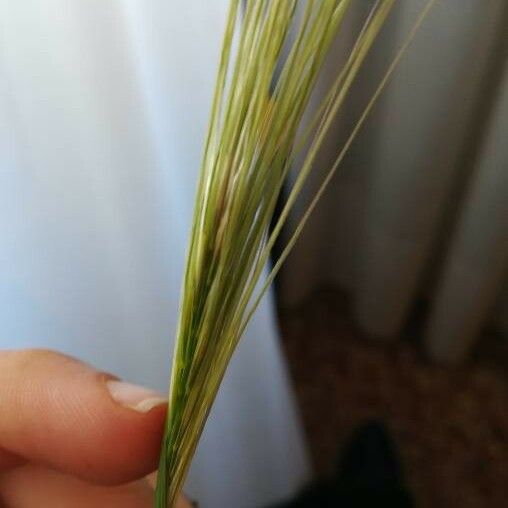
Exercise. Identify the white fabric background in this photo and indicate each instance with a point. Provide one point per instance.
(103, 109)
(421, 206)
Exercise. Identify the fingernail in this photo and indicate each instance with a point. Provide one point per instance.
(134, 397)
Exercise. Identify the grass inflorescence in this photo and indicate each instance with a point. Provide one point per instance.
(269, 64)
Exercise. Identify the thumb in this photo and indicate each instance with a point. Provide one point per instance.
(59, 412)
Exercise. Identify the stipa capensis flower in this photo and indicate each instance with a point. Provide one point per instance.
(271, 58)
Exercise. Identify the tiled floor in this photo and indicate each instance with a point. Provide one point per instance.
(451, 425)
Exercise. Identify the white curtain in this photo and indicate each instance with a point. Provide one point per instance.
(421, 206)
(103, 109)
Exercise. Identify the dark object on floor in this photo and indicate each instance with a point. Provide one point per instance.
(368, 475)
(450, 425)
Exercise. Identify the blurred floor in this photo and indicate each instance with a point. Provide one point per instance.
(450, 424)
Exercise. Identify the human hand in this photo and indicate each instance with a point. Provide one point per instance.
(74, 437)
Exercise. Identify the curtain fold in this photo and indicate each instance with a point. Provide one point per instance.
(394, 226)
(476, 264)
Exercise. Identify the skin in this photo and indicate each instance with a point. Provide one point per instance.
(64, 442)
